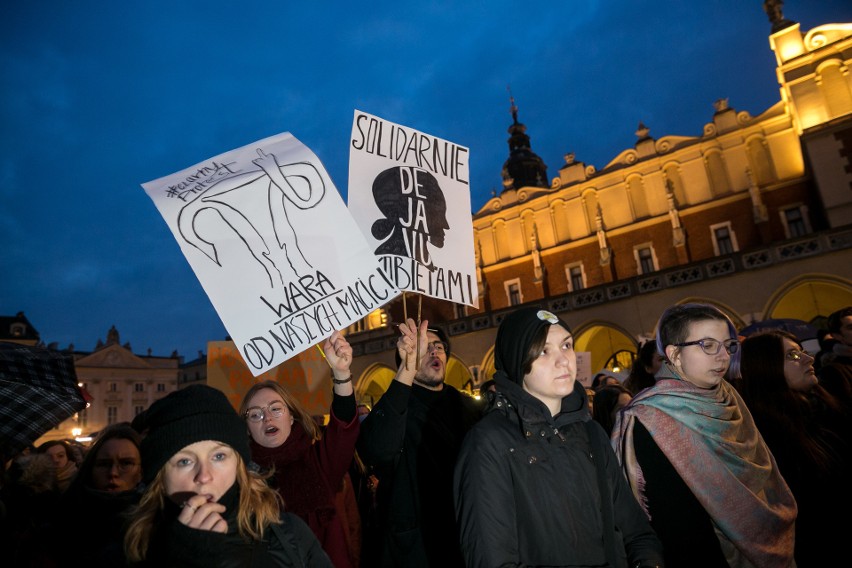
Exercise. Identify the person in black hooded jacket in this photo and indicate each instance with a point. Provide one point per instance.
(536, 482)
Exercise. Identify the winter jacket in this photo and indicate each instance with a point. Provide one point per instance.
(527, 490)
(411, 440)
(290, 544)
(308, 475)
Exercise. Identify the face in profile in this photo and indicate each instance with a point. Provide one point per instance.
(414, 210)
(798, 367)
(117, 466)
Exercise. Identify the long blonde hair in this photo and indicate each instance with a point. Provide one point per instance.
(259, 507)
(298, 411)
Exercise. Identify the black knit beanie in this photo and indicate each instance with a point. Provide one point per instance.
(514, 337)
(184, 417)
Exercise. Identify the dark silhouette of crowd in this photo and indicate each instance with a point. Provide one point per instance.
(718, 450)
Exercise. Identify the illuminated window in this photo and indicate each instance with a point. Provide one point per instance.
(83, 418)
(513, 292)
(646, 258)
(576, 276)
(724, 239)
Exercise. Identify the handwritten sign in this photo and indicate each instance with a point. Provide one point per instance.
(306, 376)
(410, 194)
(274, 247)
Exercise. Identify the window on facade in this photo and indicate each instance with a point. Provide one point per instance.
(576, 278)
(645, 259)
(83, 418)
(112, 387)
(161, 387)
(513, 292)
(137, 410)
(461, 311)
(794, 222)
(112, 414)
(138, 387)
(723, 239)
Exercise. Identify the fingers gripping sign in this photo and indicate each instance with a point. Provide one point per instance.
(412, 340)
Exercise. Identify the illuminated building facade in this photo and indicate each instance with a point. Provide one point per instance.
(753, 216)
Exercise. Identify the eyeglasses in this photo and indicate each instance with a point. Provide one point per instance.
(437, 347)
(713, 346)
(124, 465)
(258, 413)
(796, 355)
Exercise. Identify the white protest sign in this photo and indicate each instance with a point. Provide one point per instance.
(274, 247)
(410, 194)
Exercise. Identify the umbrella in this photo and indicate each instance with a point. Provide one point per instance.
(38, 390)
(801, 329)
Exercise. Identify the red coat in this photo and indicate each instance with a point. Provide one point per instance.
(308, 475)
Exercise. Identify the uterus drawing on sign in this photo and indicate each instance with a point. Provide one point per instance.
(266, 231)
(415, 213)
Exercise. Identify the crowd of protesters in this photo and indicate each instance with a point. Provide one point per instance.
(716, 451)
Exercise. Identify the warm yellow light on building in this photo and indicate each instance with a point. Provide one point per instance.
(787, 44)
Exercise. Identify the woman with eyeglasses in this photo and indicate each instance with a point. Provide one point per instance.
(694, 457)
(308, 464)
(94, 506)
(806, 430)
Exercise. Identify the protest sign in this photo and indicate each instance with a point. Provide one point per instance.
(274, 247)
(306, 376)
(410, 194)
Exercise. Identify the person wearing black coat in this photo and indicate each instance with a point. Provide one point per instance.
(411, 440)
(536, 482)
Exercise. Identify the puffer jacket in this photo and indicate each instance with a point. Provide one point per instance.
(527, 490)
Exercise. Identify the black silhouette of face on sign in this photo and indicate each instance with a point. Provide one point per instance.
(415, 212)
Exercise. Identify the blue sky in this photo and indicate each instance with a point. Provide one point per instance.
(98, 97)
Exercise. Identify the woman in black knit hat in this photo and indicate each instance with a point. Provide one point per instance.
(553, 494)
(202, 505)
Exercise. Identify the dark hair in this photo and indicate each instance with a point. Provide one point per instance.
(639, 377)
(673, 327)
(534, 350)
(605, 400)
(42, 449)
(120, 430)
(771, 401)
(597, 382)
(835, 320)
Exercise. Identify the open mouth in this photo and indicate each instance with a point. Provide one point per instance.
(270, 430)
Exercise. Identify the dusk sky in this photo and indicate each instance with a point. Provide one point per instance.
(99, 97)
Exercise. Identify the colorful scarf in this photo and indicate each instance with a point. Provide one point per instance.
(710, 438)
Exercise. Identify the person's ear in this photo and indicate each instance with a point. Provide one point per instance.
(672, 354)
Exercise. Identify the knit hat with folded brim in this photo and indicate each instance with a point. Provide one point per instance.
(514, 337)
(194, 414)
